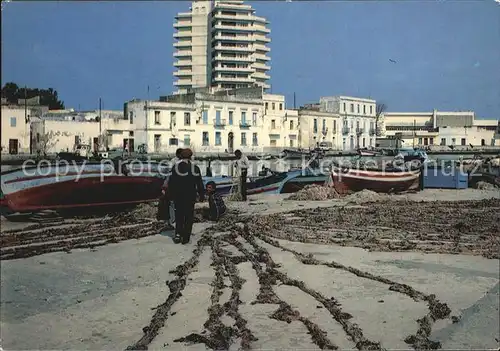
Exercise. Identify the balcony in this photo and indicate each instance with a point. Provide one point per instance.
(242, 38)
(183, 44)
(359, 131)
(182, 24)
(183, 82)
(262, 47)
(261, 66)
(219, 123)
(261, 57)
(262, 39)
(233, 69)
(261, 29)
(234, 79)
(183, 53)
(346, 130)
(233, 48)
(183, 63)
(247, 59)
(234, 27)
(244, 124)
(237, 17)
(183, 73)
(183, 34)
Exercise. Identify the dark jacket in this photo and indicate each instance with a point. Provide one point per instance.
(185, 182)
(217, 206)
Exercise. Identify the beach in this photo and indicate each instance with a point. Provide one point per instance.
(368, 271)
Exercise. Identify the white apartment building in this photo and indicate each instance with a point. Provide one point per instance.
(221, 44)
(441, 129)
(318, 127)
(15, 125)
(207, 121)
(61, 132)
(358, 118)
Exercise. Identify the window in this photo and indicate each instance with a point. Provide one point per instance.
(205, 117)
(364, 109)
(217, 118)
(157, 117)
(324, 126)
(274, 106)
(131, 117)
(187, 140)
(352, 108)
(77, 139)
(281, 106)
(273, 124)
(254, 119)
(173, 121)
(291, 142)
(243, 118)
(231, 113)
(358, 108)
(483, 142)
(443, 141)
(343, 143)
(187, 119)
(157, 142)
(463, 141)
(267, 106)
(419, 141)
(131, 133)
(364, 142)
(217, 139)
(315, 126)
(205, 139)
(291, 125)
(173, 141)
(255, 141)
(13, 121)
(371, 110)
(272, 143)
(431, 141)
(243, 139)
(334, 126)
(453, 141)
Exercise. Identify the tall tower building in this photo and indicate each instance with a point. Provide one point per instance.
(221, 44)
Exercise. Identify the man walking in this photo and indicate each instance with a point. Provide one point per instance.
(242, 172)
(183, 186)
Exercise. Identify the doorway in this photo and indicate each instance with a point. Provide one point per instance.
(13, 146)
(230, 142)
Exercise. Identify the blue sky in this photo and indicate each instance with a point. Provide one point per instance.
(447, 52)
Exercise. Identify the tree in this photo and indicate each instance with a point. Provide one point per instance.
(379, 110)
(48, 97)
(44, 142)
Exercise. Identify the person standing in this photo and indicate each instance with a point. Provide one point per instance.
(183, 186)
(242, 171)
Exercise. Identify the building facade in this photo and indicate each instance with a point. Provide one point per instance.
(206, 121)
(441, 129)
(58, 132)
(16, 125)
(358, 120)
(221, 44)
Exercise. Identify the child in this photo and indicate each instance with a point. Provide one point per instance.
(217, 208)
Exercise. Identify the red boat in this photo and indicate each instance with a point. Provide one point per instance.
(379, 181)
(35, 188)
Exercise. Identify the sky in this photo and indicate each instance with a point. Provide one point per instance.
(447, 53)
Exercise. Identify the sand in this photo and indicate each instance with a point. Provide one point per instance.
(260, 292)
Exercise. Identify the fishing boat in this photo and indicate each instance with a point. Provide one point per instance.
(346, 179)
(79, 185)
(366, 152)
